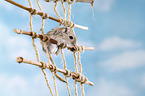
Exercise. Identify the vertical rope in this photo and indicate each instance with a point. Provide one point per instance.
(80, 71)
(64, 11)
(69, 12)
(55, 9)
(35, 48)
(56, 93)
(64, 66)
(43, 21)
(49, 55)
(76, 70)
(47, 82)
(39, 5)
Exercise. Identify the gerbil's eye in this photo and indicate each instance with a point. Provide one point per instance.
(70, 37)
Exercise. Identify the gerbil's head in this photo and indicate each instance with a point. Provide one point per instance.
(70, 36)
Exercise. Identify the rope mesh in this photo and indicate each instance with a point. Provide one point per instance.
(44, 39)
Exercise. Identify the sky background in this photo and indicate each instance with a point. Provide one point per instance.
(116, 66)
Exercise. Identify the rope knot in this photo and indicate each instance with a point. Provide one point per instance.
(79, 77)
(44, 38)
(52, 68)
(45, 16)
(44, 65)
(67, 23)
(33, 12)
(68, 73)
(71, 1)
(34, 35)
(62, 45)
(81, 48)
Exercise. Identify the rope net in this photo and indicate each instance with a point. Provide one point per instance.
(54, 41)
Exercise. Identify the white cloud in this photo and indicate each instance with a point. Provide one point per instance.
(24, 86)
(116, 43)
(126, 60)
(103, 5)
(11, 86)
(107, 88)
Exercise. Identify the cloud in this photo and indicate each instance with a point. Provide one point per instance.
(126, 60)
(107, 88)
(10, 86)
(103, 5)
(23, 86)
(116, 43)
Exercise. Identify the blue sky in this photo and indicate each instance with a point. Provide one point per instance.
(116, 66)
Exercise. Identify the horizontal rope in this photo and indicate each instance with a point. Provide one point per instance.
(76, 76)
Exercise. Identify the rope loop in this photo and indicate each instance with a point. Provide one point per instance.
(33, 12)
(46, 16)
(67, 23)
(79, 77)
(71, 1)
(81, 48)
(52, 68)
(55, 1)
(34, 35)
(44, 65)
(68, 73)
(62, 45)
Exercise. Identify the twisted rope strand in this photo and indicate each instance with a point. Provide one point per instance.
(69, 12)
(64, 11)
(76, 70)
(80, 71)
(64, 64)
(39, 5)
(36, 51)
(55, 9)
(47, 82)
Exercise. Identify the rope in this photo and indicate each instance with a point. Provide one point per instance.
(80, 71)
(35, 48)
(47, 82)
(64, 64)
(30, 3)
(64, 11)
(55, 6)
(67, 23)
(43, 21)
(69, 12)
(54, 84)
(69, 8)
(76, 70)
(39, 5)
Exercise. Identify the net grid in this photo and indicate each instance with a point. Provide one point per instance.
(77, 75)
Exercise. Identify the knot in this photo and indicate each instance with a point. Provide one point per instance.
(33, 12)
(71, 1)
(52, 68)
(34, 35)
(47, 0)
(45, 16)
(67, 23)
(44, 65)
(79, 77)
(62, 45)
(80, 48)
(44, 38)
(68, 73)
(55, 1)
